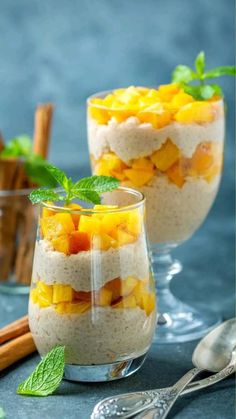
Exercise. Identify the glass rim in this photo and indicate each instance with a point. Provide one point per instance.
(103, 93)
(4, 193)
(83, 211)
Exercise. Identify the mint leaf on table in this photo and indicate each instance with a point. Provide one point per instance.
(202, 91)
(87, 189)
(2, 413)
(47, 376)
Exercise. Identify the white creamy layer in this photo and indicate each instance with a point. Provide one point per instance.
(103, 335)
(173, 214)
(90, 270)
(131, 140)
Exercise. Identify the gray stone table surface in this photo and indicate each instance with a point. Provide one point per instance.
(207, 278)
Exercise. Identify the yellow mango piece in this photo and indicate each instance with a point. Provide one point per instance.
(103, 297)
(100, 114)
(48, 212)
(126, 302)
(199, 112)
(148, 302)
(166, 156)
(139, 177)
(61, 244)
(73, 308)
(43, 301)
(109, 222)
(127, 285)
(143, 163)
(202, 159)
(103, 242)
(139, 290)
(90, 225)
(158, 119)
(123, 238)
(175, 174)
(62, 293)
(56, 226)
(45, 290)
(212, 172)
(134, 223)
(181, 99)
(34, 295)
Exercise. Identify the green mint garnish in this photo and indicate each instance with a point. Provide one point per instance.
(2, 413)
(21, 147)
(87, 189)
(47, 376)
(183, 75)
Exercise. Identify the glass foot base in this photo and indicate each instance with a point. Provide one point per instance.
(104, 372)
(13, 288)
(185, 324)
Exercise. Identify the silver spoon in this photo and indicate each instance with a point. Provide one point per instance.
(215, 353)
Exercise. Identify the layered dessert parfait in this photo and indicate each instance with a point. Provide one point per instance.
(164, 143)
(91, 287)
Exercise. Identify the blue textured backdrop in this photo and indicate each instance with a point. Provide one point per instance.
(62, 51)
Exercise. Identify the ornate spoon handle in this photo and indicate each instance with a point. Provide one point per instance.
(161, 407)
(127, 405)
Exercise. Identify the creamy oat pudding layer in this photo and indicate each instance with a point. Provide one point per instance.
(91, 289)
(165, 144)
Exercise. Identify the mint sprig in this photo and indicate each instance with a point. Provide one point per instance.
(87, 189)
(21, 147)
(47, 376)
(183, 75)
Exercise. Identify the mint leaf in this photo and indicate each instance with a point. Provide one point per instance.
(2, 413)
(183, 74)
(36, 169)
(47, 376)
(200, 63)
(228, 70)
(99, 184)
(87, 196)
(43, 195)
(17, 147)
(58, 175)
(203, 92)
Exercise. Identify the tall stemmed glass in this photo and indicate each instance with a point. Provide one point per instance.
(175, 158)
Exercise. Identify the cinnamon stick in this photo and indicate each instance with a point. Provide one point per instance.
(16, 349)
(17, 328)
(43, 118)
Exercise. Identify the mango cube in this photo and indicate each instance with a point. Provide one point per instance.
(166, 156)
(56, 226)
(34, 295)
(123, 238)
(202, 159)
(127, 285)
(139, 290)
(62, 293)
(100, 114)
(78, 241)
(143, 163)
(61, 244)
(199, 112)
(126, 302)
(181, 99)
(139, 177)
(90, 225)
(148, 302)
(103, 297)
(103, 242)
(45, 291)
(175, 174)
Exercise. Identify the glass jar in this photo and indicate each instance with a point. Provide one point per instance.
(169, 147)
(18, 226)
(91, 286)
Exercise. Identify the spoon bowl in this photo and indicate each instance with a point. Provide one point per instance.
(214, 351)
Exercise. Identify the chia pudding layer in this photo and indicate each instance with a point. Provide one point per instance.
(99, 336)
(173, 212)
(77, 270)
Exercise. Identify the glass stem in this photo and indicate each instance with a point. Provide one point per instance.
(164, 267)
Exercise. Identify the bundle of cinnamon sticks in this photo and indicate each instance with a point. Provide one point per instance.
(18, 218)
(16, 342)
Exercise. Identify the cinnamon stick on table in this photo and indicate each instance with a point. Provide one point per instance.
(16, 349)
(17, 328)
(42, 128)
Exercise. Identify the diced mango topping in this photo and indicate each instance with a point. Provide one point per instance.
(102, 230)
(158, 107)
(118, 293)
(206, 163)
